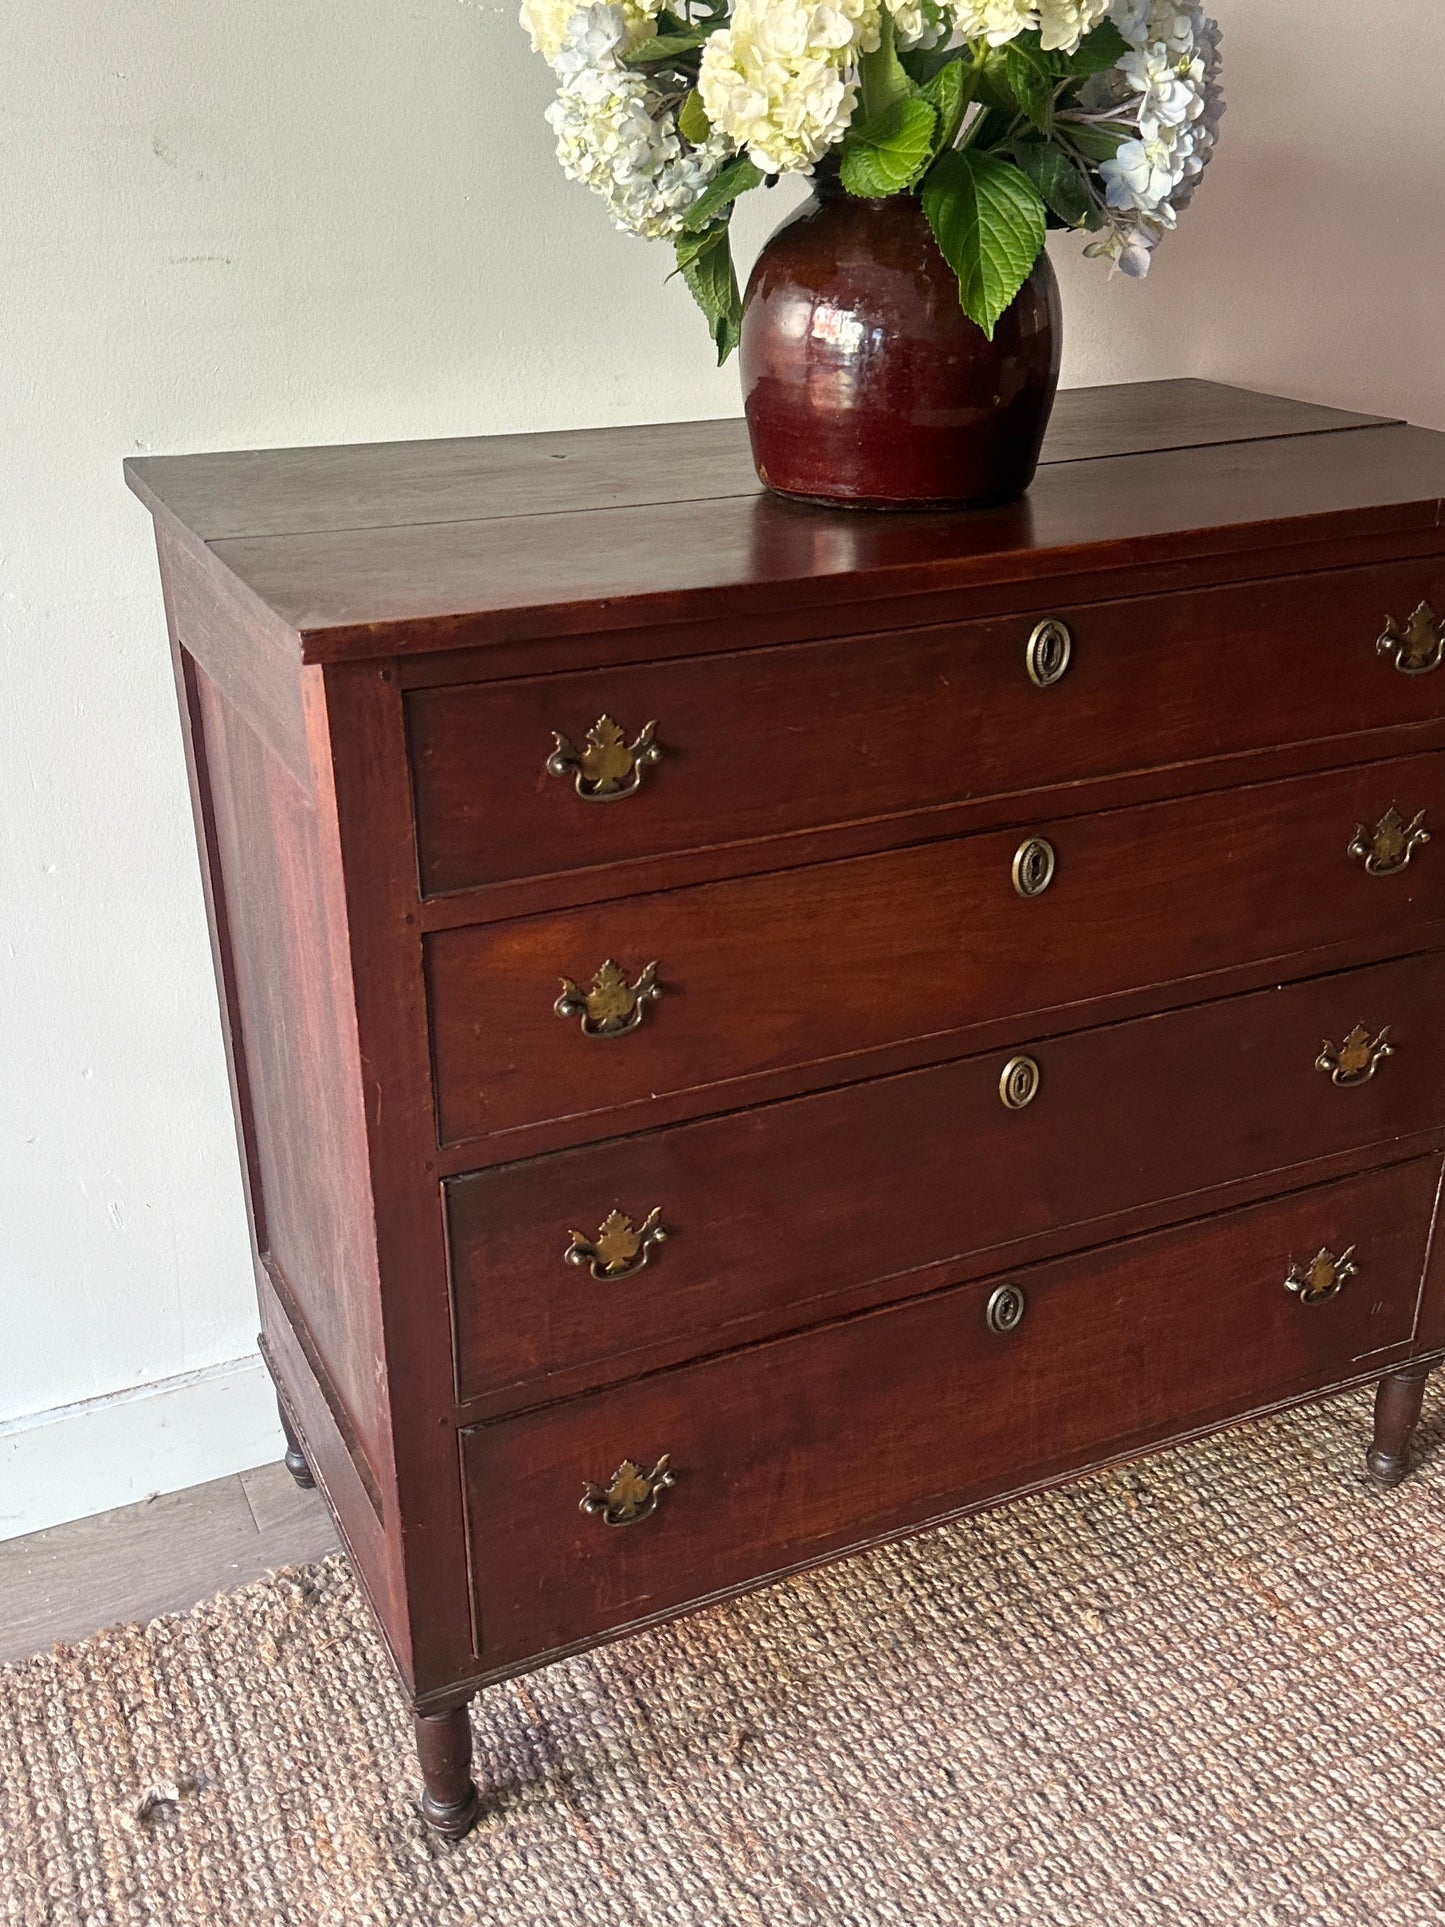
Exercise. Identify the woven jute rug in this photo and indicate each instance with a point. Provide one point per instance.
(1207, 1688)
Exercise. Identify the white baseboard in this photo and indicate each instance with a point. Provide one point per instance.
(103, 1452)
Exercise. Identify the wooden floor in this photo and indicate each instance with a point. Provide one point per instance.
(161, 1556)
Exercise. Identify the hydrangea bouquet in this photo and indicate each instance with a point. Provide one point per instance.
(1005, 117)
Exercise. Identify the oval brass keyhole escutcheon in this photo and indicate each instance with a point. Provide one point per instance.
(1018, 1085)
(1034, 866)
(1048, 653)
(1006, 1309)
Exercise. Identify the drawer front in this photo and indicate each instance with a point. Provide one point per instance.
(808, 968)
(771, 742)
(893, 1184)
(793, 1450)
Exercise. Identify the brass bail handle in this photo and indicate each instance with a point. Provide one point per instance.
(1416, 646)
(630, 1494)
(612, 1007)
(1388, 848)
(607, 767)
(1357, 1059)
(620, 1249)
(1323, 1277)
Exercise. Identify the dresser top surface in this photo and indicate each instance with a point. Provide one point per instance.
(414, 546)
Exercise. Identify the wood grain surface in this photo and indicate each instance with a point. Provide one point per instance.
(396, 571)
(769, 743)
(906, 1183)
(791, 1451)
(816, 969)
(290, 491)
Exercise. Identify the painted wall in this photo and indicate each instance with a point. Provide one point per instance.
(294, 222)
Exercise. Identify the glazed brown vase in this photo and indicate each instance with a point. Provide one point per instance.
(864, 382)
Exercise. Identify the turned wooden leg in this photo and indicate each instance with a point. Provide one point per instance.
(1397, 1413)
(444, 1747)
(295, 1458)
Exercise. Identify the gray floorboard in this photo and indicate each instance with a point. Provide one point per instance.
(161, 1556)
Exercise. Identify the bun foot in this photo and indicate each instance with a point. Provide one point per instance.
(449, 1802)
(296, 1461)
(1384, 1468)
(451, 1822)
(1397, 1413)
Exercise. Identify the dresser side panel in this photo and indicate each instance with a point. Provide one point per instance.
(292, 1013)
(245, 650)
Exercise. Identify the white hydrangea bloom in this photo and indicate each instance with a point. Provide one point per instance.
(547, 22)
(781, 79)
(996, 21)
(1061, 24)
(1131, 17)
(919, 23)
(615, 135)
(1167, 95)
(1169, 85)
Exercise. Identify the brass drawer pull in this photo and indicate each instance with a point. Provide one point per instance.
(1387, 848)
(631, 1494)
(608, 767)
(1005, 1309)
(620, 1249)
(1018, 1085)
(1357, 1059)
(1417, 646)
(1034, 866)
(1322, 1277)
(1048, 653)
(612, 1007)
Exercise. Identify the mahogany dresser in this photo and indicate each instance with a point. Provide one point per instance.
(756, 1028)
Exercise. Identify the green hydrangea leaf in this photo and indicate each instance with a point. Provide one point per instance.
(1105, 47)
(882, 77)
(665, 47)
(922, 64)
(1058, 179)
(989, 221)
(1031, 81)
(736, 178)
(692, 121)
(990, 88)
(1100, 141)
(947, 94)
(886, 154)
(705, 262)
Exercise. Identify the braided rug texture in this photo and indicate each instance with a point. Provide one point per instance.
(1203, 1689)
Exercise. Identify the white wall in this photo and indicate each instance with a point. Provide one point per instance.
(223, 226)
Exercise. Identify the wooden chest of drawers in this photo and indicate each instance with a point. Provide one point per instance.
(755, 1029)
